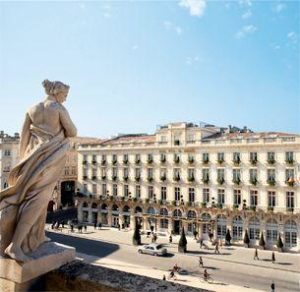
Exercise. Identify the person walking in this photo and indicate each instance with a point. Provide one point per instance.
(170, 239)
(273, 257)
(205, 275)
(272, 287)
(217, 248)
(201, 242)
(95, 225)
(256, 255)
(201, 262)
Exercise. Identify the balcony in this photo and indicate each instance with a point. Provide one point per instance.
(125, 177)
(163, 159)
(191, 178)
(176, 177)
(191, 160)
(103, 177)
(137, 178)
(114, 178)
(125, 161)
(271, 160)
(236, 160)
(290, 209)
(220, 160)
(271, 181)
(115, 161)
(221, 180)
(84, 177)
(103, 162)
(137, 161)
(84, 162)
(290, 182)
(163, 177)
(253, 161)
(205, 179)
(176, 159)
(94, 177)
(205, 160)
(236, 181)
(150, 160)
(289, 161)
(253, 181)
(149, 178)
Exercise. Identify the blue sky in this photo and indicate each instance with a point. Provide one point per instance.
(133, 65)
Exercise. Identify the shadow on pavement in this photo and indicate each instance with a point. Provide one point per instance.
(284, 264)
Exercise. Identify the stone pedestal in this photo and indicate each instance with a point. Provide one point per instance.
(15, 276)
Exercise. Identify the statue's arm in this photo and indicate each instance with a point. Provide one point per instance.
(68, 125)
(25, 136)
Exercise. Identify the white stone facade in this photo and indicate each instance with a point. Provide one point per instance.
(204, 178)
(9, 156)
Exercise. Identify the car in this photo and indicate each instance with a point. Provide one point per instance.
(153, 249)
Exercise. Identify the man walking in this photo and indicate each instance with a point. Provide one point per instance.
(256, 255)
(273, 257)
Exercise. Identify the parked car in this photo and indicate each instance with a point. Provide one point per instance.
(153, 249)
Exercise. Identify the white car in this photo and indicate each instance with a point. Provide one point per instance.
(153, 249)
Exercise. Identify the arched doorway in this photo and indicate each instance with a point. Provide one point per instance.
(272, 232)
(67, 191)
(290, 234)
(126, 216)
(177, 214)
(237, 228)
(115, 215)
(221, 226)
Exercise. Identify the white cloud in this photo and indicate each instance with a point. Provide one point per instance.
(171, 26)
(245, 3)
(134, 47)
(246, 30)
(292, 37)
(196, 7)
(247, 14)
(193, 60)
(279, 7)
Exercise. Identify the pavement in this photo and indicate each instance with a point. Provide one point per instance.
(234, 257)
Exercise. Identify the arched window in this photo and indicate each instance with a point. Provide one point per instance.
(254, 228)
(191, 214)
(177, 213)
(272, 231)
(103, 207)
(221, 226)
(138, 209)
(290, 233)
(237, 228)
(205, 217)
(94, 206)
(151, 211)
(163, 212)
(115, 208)
(126, 209)
(85, 205)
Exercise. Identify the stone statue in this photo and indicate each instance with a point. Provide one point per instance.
(43, 146)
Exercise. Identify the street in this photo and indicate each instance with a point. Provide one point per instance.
(223, 271)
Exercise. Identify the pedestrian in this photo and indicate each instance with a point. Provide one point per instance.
(72, 227)
(201, 262)
(201, 242)
(273, 257)
(164, 277)
(95, 225)
(172, 275)
(256, 254)
(99, 225)
(205, 275)
(217, 248)
(272, 287)
(170, 239)
(85, 227)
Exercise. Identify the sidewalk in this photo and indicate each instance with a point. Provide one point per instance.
(234, 254)
(155, 273)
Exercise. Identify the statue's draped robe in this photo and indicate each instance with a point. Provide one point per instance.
(31, 183)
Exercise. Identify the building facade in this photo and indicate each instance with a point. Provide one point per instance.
(9, 156)
(203, 178)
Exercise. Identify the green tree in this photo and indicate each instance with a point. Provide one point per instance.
(262, 242)
(279, 243)
(136, 240)
(182, 242)
(246, 239)
(227, 237)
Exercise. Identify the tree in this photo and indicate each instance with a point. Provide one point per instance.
(246, 239)
(262, 241)
(227, 237)
(279, 243)
(182, 242)
(136, 240)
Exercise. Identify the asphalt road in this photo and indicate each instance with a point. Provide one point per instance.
(226, 272)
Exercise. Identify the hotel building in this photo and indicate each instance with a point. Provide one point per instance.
(201, 177)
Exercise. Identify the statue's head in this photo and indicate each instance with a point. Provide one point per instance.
(56, 89)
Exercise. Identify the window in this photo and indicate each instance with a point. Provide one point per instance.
(114, 159)
(220, 175)
(94, 172)
(126, 191)
(290, 200)
(126, 172)
(176, 174)
(253, 174)
(138, 191)
(137, 158)
(271, 157)
(221, 226)
(191, 158)
(205, 157)
(138, 172)
(85, 188)
(271, 199)
(164, 223)
(236, 175)
(103, 172)
(221, 157)
(190, 138)
(104, 189)
(272, 231)
(237, 197)
(94, 189)
(236, 157)
(289, 174)
(150, 173)
(163, 193)
(289, 157)
(191, 174)
(205, 174)
(103, 159)
(290, 233)
(253, 157)
(84, 170)
(254, 229)
(7, 152)
(150, 158)
(253, 198)
(271, 174)
(237, 228)
(115, 190)
(191, 195)
(205, 194)
(94, 158)
(115, 172)
(163, 157)
(73, 170)
(6, 168)
(150, 192)
(84, 160)
(221, 196)
(177, 194)
(125, 158)
(66, 170)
